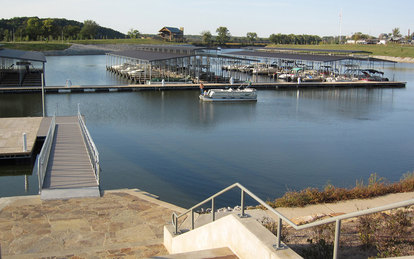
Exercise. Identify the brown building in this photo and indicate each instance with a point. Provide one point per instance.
(172, 34)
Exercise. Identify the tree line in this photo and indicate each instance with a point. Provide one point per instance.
(224, 36)
(44, 29)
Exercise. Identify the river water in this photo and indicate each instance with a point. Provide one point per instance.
(170, 144)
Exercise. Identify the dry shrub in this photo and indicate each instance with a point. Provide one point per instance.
(377, 186)
(390, 233)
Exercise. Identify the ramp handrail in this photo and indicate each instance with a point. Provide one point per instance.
(92, 150)
(44, 154)
(281, 217)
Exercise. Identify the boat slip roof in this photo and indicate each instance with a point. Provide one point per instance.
(169, 47)
(295, 56)
(303, 56)
(149, 56)
(22, 55)
(322, 50)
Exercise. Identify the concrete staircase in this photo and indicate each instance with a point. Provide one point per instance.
(245, 237)
(217, 253)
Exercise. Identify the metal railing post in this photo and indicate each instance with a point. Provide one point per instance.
(242, 203)
(337, 235)
(279, 233)
(176, 224)
(24, 142)
(192, 219)
(213, 209)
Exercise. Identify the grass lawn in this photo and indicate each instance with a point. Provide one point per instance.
(393, 50)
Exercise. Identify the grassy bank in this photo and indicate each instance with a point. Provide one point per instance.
(37, 46)
(58, 45)
(122, 41)
(376, 186)
(392, 50)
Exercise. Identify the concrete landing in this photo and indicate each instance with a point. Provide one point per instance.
(55, 194)
(121, 224)
(218, 253)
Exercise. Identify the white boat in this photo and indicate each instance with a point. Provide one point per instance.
(229, 95)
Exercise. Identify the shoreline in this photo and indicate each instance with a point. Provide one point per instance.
(101, 49)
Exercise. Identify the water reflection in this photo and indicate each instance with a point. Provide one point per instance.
(20, 105)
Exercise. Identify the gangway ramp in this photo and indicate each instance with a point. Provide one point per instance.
(68, 165)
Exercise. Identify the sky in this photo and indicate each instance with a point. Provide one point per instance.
(264, 17)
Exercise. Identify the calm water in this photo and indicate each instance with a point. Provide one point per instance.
(170, 144)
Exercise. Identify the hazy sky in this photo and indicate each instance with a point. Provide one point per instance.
(261, 16)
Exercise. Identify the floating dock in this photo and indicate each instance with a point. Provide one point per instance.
(69, 169)
(12, 140)
(174, 86)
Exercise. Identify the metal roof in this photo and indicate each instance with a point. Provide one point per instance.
(22, 55)
(169, 47)
(172, 29)
(322, 50)
(149, 56)
(278, 55)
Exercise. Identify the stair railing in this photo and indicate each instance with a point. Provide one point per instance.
(281, 217)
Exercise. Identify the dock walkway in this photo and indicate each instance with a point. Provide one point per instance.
(187, 86)
(69, 172)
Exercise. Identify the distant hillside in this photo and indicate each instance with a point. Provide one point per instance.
(40, 29)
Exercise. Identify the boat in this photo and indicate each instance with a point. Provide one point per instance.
(229, 95)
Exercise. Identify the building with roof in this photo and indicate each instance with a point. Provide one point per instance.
(21, 68)
(172, 34)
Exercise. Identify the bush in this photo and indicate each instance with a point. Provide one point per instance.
(376, 186)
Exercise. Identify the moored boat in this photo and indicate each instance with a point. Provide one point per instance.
(229, 95)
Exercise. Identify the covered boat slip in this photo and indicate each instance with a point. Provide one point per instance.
(180, 64)
(189, 64)
(329, 61)
(21, 68)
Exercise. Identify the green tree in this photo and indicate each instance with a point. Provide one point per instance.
(134, 34)
(71, 31)
(33, 28)
(89, 29)
(396, 32)
(207, 37)
(360, 36)
(48, 28)
(223, 35)
(251, 37)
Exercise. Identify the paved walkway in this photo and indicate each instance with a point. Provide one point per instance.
(122, 223)
(303, 215)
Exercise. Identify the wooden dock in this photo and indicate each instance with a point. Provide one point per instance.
(189, 86)
(69, 171)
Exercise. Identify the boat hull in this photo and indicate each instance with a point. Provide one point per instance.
(224, 99)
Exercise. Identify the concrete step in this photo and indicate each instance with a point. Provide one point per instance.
(218, 253)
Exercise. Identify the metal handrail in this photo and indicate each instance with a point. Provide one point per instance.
(43, 157)
(281, 217)
(92, 150)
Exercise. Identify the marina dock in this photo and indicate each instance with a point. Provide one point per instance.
(190, 86)
(11, 136)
